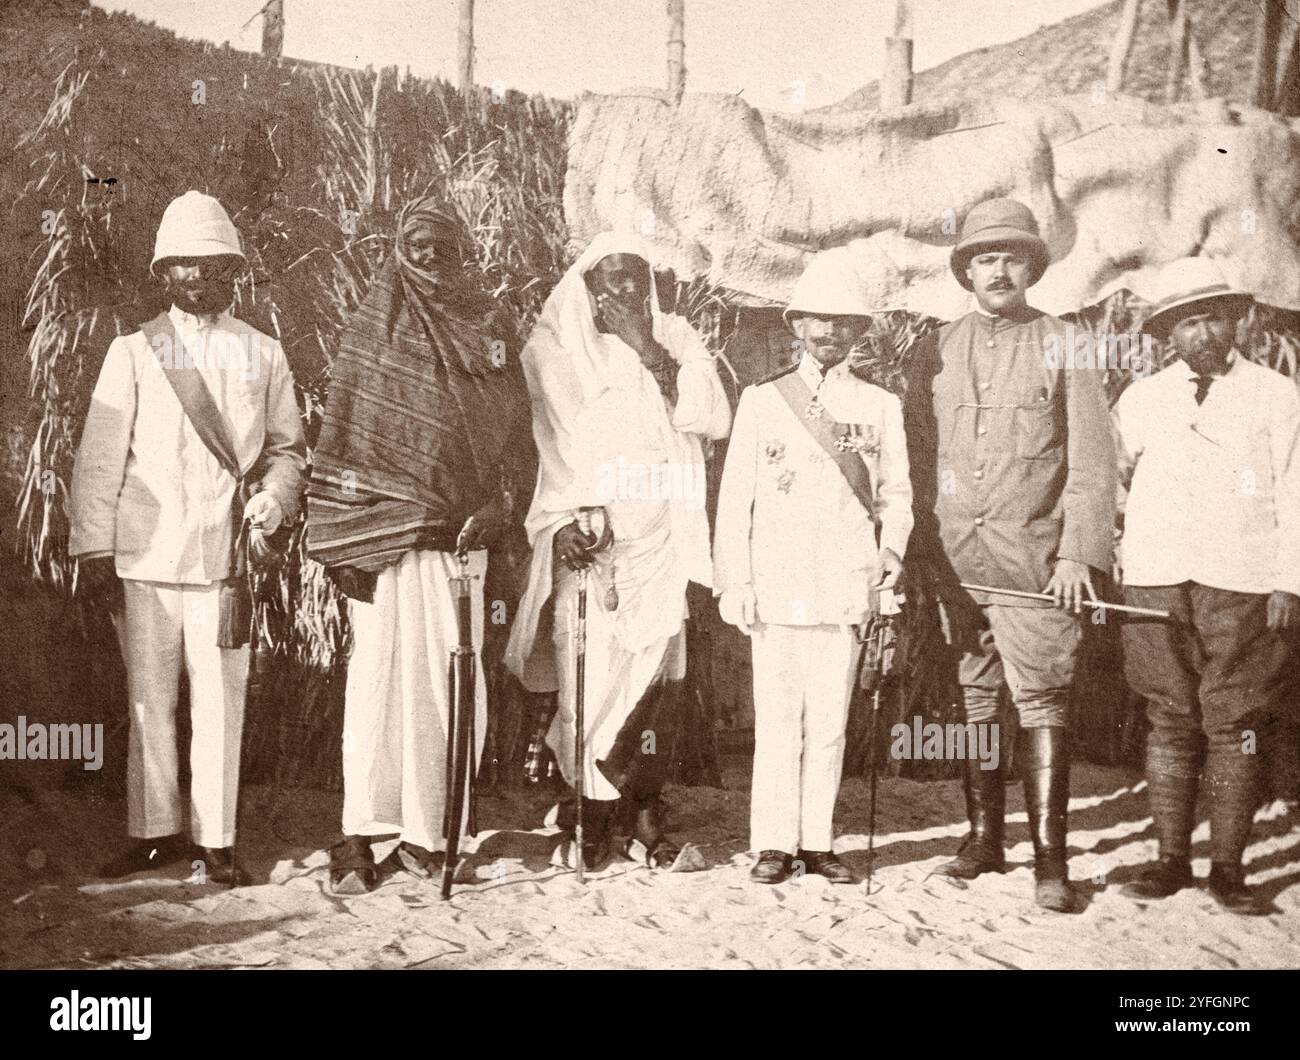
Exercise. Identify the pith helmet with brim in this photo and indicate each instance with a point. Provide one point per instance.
(830, 286)
(997, 223)
(195, 225)
(1188, 282)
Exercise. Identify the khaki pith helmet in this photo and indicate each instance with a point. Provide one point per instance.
(999, 222)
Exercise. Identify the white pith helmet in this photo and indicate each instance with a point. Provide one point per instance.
(195, 225)
(830, 285)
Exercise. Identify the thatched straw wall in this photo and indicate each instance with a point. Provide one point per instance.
(312, 162)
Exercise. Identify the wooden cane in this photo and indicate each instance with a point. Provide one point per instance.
(1128, 609)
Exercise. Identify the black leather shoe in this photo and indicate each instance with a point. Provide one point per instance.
(597, 817)
(1227, 885)
(221, 867)
(773, 866)
(145, 854)
(825, 863)
(1160, 879)
(595, 852)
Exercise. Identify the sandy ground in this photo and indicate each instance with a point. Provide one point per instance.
(516, 909)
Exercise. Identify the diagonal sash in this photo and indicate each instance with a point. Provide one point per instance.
(234, 602)
(826, 432)
(193, 395)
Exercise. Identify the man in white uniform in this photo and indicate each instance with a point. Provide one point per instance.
(152, 505)
(814, 450)
(623, 395)
(1209, 449)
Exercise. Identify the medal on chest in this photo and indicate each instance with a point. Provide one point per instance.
(858, 438)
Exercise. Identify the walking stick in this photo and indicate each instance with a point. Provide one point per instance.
(1101, 605)
(579, 699)
(876, 666)
(461, 677)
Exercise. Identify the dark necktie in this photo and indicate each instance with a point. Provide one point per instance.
(1202, 386)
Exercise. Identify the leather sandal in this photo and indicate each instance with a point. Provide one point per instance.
(662, 855)
(418, 860)
(352, 866)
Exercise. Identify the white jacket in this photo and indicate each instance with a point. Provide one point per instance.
(789, 526)
(1213, 489)
(145, 488)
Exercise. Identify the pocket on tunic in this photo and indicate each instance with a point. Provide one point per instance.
(1038, 434)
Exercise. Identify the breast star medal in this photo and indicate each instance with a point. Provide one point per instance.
(785, 481)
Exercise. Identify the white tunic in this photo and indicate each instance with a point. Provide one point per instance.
(789, 525)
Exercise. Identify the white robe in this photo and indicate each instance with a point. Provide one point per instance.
(606, 438)
(398, 705)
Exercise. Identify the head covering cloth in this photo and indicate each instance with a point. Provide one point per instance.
(427, 410)
(596, 408)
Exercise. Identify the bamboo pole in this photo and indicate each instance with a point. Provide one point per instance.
(465, 46)
(1268, 30)
(1197, 67)
(1122, 46)
(676, 49)
(896, 80)
(273, 29)
(1177, 50)
(1288, 85)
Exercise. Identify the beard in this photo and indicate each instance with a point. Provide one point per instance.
(829, 355)
(1207, 358)
(202, 299)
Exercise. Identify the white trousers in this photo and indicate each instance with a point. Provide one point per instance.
(803, 681)
(167, 626)
(398, 704)
(616, 679)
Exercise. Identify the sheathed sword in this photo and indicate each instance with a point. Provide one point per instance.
(461, 677)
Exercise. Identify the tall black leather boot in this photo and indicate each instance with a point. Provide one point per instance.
(1173, 769)
(1232, 778)
(1044, 758)
(986, 801)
